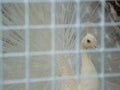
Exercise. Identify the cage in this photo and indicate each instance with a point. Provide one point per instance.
(40, 43)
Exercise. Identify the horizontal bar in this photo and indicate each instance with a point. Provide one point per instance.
(19, 27)
(19, 1)
(61, 78)
(33, 53)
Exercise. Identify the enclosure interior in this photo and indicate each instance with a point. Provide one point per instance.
(39, 38)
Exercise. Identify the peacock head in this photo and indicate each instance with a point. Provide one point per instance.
(89, 41)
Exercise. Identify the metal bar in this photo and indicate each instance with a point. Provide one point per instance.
(53, 43)
(78, 45)
(1, 50)
(27, 44)
(61, 78)
(102, 43)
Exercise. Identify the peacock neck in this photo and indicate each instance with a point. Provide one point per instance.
(84, 55)
(87, 67)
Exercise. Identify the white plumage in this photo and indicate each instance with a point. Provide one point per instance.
(87, 67)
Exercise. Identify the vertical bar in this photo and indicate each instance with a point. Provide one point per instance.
(27, 43)
(1, 49)
(102, 43)
(1, 62)
(53, 43)
(78, 45)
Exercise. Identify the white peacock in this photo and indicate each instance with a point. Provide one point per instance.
(87, 67)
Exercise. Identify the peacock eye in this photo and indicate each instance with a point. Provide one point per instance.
(88, 41)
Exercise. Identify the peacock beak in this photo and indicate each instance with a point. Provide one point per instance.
(95, 46)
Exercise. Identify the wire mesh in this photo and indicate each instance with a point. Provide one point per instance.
(61, 22)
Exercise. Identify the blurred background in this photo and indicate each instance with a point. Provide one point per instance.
(39, 39)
